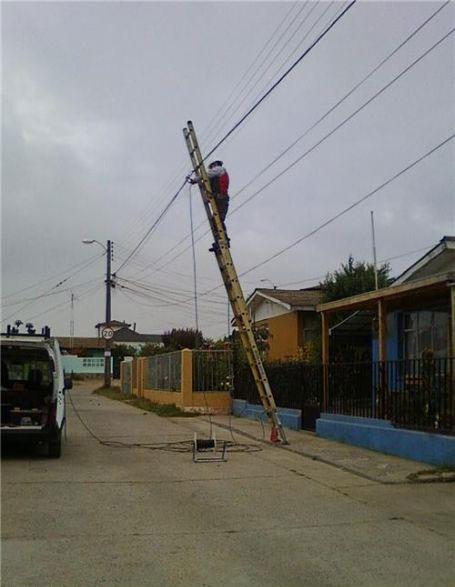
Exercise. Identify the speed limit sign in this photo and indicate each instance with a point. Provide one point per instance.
(107, 333)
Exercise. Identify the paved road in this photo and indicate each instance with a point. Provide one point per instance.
(132, 517)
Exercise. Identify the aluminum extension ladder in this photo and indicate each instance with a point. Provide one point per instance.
(233, 288)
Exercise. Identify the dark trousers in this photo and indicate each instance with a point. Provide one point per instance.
(222, 203)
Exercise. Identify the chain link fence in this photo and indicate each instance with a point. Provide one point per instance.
(164, 372)
(126, 377)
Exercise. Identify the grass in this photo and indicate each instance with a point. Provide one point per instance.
(163, 410)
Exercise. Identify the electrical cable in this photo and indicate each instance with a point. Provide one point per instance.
(236, 104)
(351, 206)
(309, 129)
(194, 263)
(312, 8)
(61, 304)
(347, 119)
(282, 77)
(149, 231)
(88, 262)
(179, 446)
(342, 212)
(47, 293)
(215, 118)
(208, 130)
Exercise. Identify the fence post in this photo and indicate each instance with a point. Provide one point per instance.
(186, 386)
(325, 360)
(382, 336)
(140, 383)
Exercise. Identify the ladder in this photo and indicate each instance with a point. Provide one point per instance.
(233, 288)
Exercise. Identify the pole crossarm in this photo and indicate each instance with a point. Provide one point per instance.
(232, 285)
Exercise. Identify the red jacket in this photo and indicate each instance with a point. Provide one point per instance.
(219, 180)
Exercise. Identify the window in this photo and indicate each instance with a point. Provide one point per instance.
(93, 362)
(425, 330)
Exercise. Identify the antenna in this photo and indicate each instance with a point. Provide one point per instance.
(376, 283)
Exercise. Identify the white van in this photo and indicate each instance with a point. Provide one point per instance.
(33, 388)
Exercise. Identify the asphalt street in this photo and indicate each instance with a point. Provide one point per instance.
(110, 515)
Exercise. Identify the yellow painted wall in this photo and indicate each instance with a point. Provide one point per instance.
(163, 397)
(218, 402)
(284, 336)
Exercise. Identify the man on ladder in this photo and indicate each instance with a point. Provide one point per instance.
(210, 187)
(219, 185)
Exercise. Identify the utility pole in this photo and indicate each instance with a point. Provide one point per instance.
(376, 283)
(72, 322)
(107, 348)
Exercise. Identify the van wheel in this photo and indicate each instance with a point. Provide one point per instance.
(55, 445)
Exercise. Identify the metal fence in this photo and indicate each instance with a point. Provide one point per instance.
(164, 372)
(294, 384)
(417, 394)
(126, 376)
(212, 370)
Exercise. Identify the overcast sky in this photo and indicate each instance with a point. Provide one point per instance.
(95, 96)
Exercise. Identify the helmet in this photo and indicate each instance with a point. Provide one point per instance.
(215, 164)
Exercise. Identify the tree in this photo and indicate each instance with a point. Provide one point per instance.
(182, 338)
(353, 278)
(151, 348)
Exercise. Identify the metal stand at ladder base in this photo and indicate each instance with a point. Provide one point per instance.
(205, 450)
(233, 288)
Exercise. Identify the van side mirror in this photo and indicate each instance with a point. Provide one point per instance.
(68, 383)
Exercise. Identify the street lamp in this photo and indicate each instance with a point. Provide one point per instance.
(107, 347)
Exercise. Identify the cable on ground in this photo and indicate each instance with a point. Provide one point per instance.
(178, 446)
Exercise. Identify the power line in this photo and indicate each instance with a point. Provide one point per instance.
(236, 104)
(308, 130)
(281, 78)
(351, 206)
(253, 64)
(157, 221)
(312, 8)
(347, 119)
(38, 283)
(143, 221)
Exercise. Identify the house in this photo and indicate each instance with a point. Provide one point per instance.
(123, 334)
(414, 324)
(288, 317)
(409, 383)
(85, 355)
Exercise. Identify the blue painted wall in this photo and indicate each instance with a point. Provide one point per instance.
(380, 435)
(289, 418)
(393, 339)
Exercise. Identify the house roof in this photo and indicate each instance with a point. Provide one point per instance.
(86, 342)
(291, 299)
(123, 335)
(113, 323)
(438, 259)
(127, 335)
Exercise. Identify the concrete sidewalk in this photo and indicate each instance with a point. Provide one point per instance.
(365, 463)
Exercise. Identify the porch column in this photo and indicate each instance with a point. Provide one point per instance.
(382, 331)
(452, 321)
(325, 360)
(382, 342)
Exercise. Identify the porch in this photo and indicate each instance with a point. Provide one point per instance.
(377, 403)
